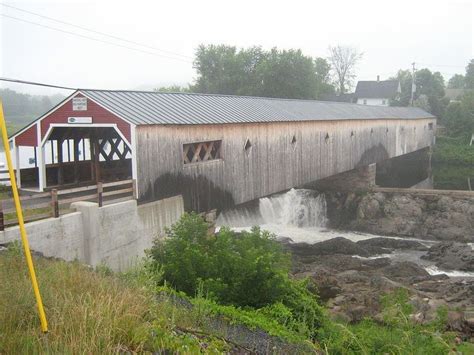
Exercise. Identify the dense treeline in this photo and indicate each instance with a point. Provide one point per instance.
(253, 71)
(20, 109)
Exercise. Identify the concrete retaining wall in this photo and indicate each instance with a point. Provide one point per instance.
(115, 235)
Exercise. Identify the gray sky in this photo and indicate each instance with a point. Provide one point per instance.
(392, 34)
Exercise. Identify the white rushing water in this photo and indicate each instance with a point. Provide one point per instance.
(301, 215)
(298, 214)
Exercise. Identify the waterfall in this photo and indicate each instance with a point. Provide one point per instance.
(296, 208)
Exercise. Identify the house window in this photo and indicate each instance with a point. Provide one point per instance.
(430, 126)
(201, 152)
(365, 102)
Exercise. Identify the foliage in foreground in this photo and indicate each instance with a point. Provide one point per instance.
(247, 269)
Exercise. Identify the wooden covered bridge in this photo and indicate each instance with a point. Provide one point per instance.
(215, 150)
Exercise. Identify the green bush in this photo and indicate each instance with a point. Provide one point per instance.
(247, 269)
(453, 151)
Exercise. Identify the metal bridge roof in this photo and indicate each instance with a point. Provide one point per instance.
(144, 107)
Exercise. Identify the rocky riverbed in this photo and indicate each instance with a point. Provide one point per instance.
(351, 277)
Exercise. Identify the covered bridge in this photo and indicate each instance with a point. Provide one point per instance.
(215, 150)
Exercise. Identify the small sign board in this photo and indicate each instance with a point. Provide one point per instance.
(79, 120)
(79, 104)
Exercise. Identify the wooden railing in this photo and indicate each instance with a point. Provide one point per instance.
(56, 202)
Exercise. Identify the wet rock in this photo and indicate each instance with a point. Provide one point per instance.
(452, 256)
(404, 270)
(455, 321)
(384, 284)
(332, 246)
(369, 208)
(327, 284)
(392, 243)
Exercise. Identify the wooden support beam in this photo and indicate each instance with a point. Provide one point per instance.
(59, 144)
(76, 142)
(96, 160)
(54, 203)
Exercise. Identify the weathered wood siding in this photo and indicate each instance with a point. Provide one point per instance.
(273, 164)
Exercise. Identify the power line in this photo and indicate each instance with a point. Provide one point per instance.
(19, 81)
(93, 39)
(96, 32)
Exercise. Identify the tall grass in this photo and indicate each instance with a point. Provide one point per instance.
(87, 312)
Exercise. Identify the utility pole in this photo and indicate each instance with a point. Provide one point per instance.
(413, 86)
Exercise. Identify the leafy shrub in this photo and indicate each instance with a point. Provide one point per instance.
(454, 151)
(248, 269)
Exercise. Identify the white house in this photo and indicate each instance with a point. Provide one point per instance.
(377, 93)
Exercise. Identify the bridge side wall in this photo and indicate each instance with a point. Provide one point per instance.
(273, 163)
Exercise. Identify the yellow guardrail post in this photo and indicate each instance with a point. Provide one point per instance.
(21, 223)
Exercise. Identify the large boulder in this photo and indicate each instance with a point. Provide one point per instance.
(332, 246)
(405, 270)
(452, 256)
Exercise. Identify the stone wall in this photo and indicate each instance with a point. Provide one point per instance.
(114, 235)
(404, 212)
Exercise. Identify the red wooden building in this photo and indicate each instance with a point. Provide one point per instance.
(77, 142)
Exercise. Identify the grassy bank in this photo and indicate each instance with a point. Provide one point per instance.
(453, 151)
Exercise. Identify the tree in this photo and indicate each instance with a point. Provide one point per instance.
(255, 72)
(172, 88)
(428, 84)
(344, 61)
(431, 85)
(469, 78)
(287, 74)
(457, 81)
(460, 116)
(323, 75)
(405, 79)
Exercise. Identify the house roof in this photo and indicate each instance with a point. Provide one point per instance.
(386, 89)
(144, 107)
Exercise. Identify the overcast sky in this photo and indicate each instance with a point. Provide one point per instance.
(392, 34)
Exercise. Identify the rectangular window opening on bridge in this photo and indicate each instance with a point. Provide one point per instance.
(201, 152)
(430, 126)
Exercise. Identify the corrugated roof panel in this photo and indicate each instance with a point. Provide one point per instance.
(142, 108)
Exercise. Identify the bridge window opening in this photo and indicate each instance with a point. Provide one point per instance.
(352, 134)
(247, 146)
(430, 126)
(371, 131)
(293, 141)
(201, 151)
(327, 138)
(403, 128)
(386, 131)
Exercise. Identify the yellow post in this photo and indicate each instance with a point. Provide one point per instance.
(19, 212)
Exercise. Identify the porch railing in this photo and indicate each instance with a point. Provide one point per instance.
(57, 202)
